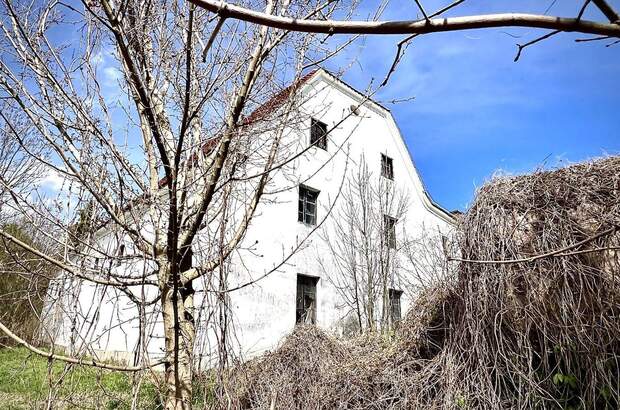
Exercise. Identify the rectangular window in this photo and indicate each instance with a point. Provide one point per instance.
(389, 226)
(306, 299)
(394, 296)
(120, 253)
(307, 205)
(318, 134)
(387, 167)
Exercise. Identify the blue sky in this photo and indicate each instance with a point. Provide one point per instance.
(476, 111)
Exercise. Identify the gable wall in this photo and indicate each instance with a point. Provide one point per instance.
(266, 311)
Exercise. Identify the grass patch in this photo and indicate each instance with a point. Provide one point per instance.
(25, 384)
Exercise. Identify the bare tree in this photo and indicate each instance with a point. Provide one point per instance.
(150, 118)
(363, 262)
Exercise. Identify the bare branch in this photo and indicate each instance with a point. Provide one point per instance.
(410, 26)
(75, 360)
(521, 47)
(68, 268)
(607, 10)
(529, 43)
(422, 10)
(557, 253)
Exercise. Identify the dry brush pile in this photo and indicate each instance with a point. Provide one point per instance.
(532, 319)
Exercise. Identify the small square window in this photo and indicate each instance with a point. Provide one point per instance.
(387, 167)
(394, 297)
(389, 226)
(318, 134)
(307, 205)
(305, 305)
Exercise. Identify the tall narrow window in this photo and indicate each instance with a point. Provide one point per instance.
(306, 299)
(394, 297)
(387, 167)
(120, 254)
(389, 226)
(318, 134)
(186, 259)
(307, 205)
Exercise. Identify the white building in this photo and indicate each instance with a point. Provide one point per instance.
(269, 303)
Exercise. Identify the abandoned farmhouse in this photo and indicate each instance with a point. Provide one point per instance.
(291, 267)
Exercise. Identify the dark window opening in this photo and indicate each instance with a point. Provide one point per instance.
(389, 226)
(240, 163)
(387, 167)
(306, 299)
(186, 259)
(394, 296)
(318, 134)
(121, 253)
(242, 157)
(307, 205)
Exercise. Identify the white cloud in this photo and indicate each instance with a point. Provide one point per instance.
(111, 76)
(52, 181)
(97, 59)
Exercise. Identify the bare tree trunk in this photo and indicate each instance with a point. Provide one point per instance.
(385, 314)
(384, 266)
(180, 335)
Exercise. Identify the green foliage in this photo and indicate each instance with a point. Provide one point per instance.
(24, 384)
(461, 403)
(568, 383)
(565, 380)
(204, 387)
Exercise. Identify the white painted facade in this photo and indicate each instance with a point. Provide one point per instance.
(265, 311)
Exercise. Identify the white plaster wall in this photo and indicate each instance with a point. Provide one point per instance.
(99, 320)
(264, 312)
